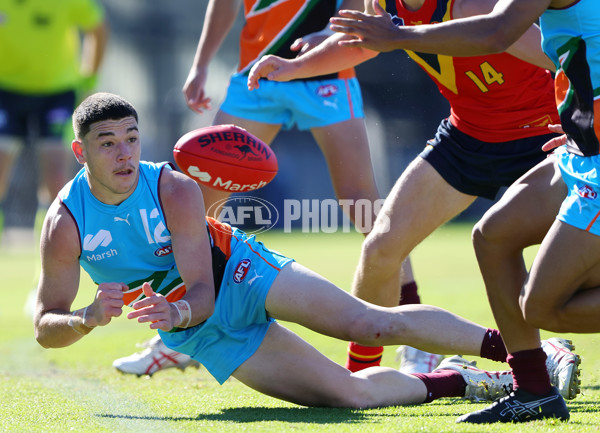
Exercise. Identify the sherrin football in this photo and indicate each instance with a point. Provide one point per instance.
(226, 157)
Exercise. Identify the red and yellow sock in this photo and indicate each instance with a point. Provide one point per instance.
(361, 357)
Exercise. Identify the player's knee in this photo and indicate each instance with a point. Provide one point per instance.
(371, 330)
(380, 251)
(360, 330)
(361, 397)
(487, 231)
(541, 315)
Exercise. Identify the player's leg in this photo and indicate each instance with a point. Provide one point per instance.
(565, 274)
(346, 150)
(562, 293)
(13, 129)
(523, 214)
(287, 367)
(399, 227)
(54, 157)
(304, 297)
(568, 258)
(519, 219)
(9, 149)
(54, 166)
(345, 147)
(420, 201)
(215, 199)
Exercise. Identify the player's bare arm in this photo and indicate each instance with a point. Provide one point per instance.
(184, 211)
(476, 35)
(308, 42)
(327, 58)
(527, 48)
(219, 19)
(56, 325)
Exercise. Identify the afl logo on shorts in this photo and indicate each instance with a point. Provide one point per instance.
(327, 90)
(241, 270)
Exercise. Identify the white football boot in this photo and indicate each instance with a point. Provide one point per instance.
(482, 385)
(416, 361)
(155, 357)
(563, 366)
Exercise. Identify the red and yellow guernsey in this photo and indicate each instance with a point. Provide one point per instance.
(273, 25)
(492, 98)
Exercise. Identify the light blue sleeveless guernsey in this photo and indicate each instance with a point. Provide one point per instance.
(127, 243)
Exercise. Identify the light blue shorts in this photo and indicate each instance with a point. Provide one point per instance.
(240, 322)
(306, 104)
(581, 208)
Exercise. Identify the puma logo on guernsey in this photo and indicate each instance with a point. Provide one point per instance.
(255, 277)
(126, 219)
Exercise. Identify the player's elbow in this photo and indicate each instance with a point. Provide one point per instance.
(42, 332)
(41, 337)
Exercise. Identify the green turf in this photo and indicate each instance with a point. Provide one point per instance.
(76, 389)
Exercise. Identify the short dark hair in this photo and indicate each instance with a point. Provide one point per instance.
(99, 107)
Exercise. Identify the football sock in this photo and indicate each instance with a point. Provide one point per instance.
(361, 357)
(492, 346)
(408, 294)
(442, 383)
(529, 371)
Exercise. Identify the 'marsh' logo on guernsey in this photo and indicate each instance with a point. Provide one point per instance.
(101, 239)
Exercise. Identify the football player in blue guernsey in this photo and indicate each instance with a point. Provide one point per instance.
(214, 293)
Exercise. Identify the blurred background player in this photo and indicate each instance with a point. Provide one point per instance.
(330, 106)
(500, 109)
(42, 71)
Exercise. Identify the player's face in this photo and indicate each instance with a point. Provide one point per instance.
(111, 153)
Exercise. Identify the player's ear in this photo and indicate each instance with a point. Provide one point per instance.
(77, 148)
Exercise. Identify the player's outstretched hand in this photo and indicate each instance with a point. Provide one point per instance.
(272, 68)
(193, 90)
(154, 308)
(374, 32)
(555, 142)
(108, 304)
(308, 42)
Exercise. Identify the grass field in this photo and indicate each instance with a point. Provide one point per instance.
(76, 388)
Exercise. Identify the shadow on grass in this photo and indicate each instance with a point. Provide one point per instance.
(583, 406)
(291, 415)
